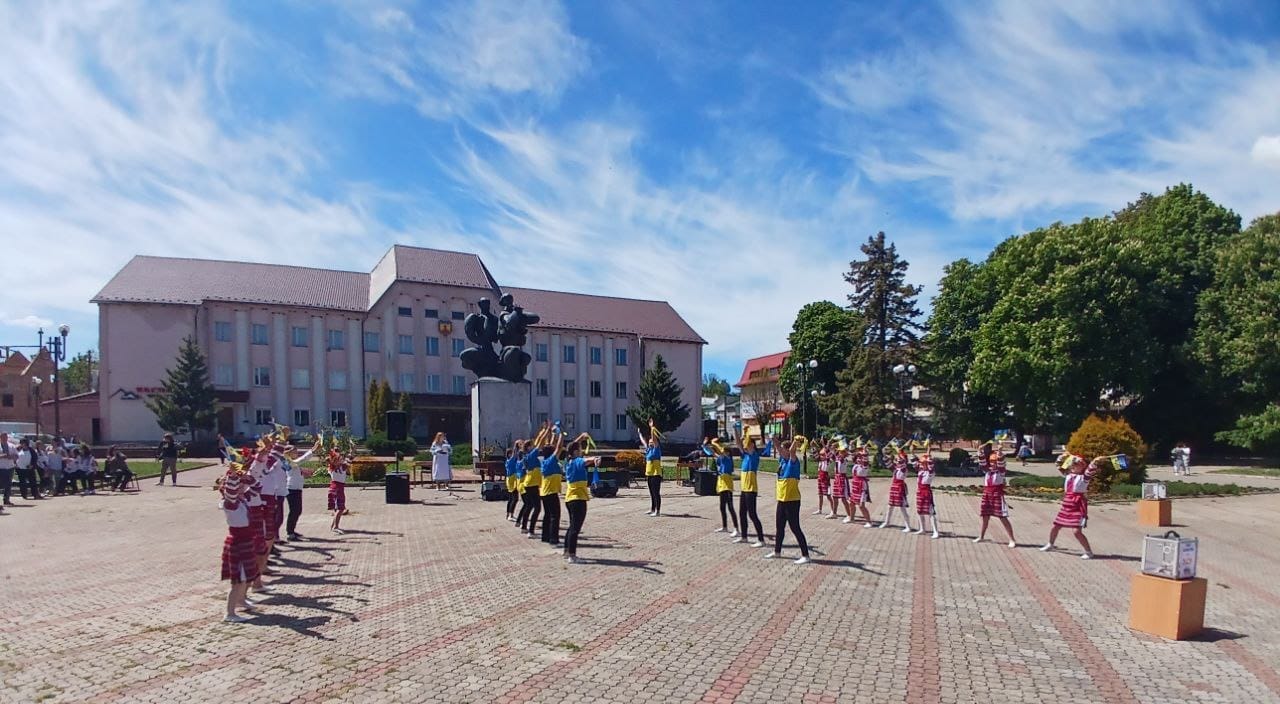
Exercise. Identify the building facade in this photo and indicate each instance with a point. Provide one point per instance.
(24, 382)
(301, 346)
(760, 400)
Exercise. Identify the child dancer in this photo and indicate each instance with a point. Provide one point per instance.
(1074, 513)
(528, 518)
(512, 467)
(898, 492)
(653, 467)
(993, 500)
(750, 491)
(924, 494)
(260, 512)
(338, 466)
(860, 490)
(576, 496)
(239, 561)
(840, 491)
(788, 495)
(549, 490)
(724, 486)
(824, 479)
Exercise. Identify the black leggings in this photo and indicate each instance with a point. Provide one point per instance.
(529, 511)
(577, 516)
(789, 515)
(512, 498)
(295, 511)
(655, 493)
(747, 508)
(726, 504)
(551, 519)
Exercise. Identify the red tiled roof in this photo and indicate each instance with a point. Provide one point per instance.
(580, 311)
(769, 361)
(439, 266)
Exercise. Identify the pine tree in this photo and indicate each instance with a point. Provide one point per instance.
(385, 399)
(371, 406)
(188, 403)
(658, 399)
(404, 403)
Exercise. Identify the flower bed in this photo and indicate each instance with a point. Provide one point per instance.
(1050, 489)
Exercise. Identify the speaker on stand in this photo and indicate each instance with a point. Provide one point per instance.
(397, 482)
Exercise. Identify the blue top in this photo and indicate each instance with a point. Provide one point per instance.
(575, 470)
(551, 467)
(531, 460)
(789, 469)
(768, 449)
(653, 453)
(724, 464)
(514, 467)
(751, 460)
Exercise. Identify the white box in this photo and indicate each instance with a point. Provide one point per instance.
(1170, 555)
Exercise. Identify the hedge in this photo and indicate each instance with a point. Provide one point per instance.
(378, 444)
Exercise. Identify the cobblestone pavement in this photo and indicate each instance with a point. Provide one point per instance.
(116, 599)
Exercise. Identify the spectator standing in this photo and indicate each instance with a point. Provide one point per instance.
(222, 449)
(117, 469)
(167, 454)
(28, 464)
(8, 462)
(441, 470)
(55, 465)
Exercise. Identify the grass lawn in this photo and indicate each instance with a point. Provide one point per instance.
(1249, 471)
(145, 469)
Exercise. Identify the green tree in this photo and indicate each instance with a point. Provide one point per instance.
(77, 376)
(822, 332)
(714, 386)
(188, 404)
(1237, 334)
(404, 403)
(372, 404)
(658, 399)
(385, 400)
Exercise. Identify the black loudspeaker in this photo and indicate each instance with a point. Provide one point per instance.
(397, 488)
(704, 482)
(493, 491)
(397, 425)
(710, 428)
(604, 489)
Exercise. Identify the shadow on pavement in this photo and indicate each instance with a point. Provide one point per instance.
(633, 564)
(302, 626)
(1213, 635)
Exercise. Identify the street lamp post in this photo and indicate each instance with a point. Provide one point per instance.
(57, 347)
(806, 372)
(35, 390)
(904, 373)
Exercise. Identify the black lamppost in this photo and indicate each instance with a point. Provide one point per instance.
(57, 347)
(904, 373)
(806, 373)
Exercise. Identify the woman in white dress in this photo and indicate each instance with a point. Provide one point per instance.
(441, 471)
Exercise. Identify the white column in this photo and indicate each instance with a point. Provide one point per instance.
(281, 381)
(557, 391)
(356, 387)
(584, 362)
(242, 350)
(319, 373)
(610, 432)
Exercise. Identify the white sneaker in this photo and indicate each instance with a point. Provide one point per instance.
(649, 513)
(234, 618)
(818, 512)
(573, 560)
(1086, 556)
(757, 544)
(832, 516)
(868, 524)
(657, 514)
(738, 540)
(979, 539)
(906, 529)
(770, 555)
(1012, 544)
(1047, 547)
(802, 560)
(884, 525)
(936, 536)
(921, 531)
(719, 530)
(733, 533)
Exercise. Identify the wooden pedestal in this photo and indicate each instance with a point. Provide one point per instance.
(1155, 512)
(1169, 608)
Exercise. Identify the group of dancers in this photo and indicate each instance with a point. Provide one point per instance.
(536, 471)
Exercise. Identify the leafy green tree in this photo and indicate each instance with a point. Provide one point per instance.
(77, 376)
(189, 403)
(822, 331)
(404, 403)
(658, 399)
(372, 406)
(714, 386)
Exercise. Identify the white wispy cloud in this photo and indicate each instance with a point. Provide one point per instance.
(30, 322)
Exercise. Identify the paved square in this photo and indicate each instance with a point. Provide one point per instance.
(116, 599)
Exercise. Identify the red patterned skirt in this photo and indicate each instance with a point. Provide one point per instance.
(258, 525)
(993, 503)
(337, 496)
(898, 493)
(269, 504)
(239, 554)
(1074, 512)
(860, 490)
(924, 500)
(840, 486)
(824, 482)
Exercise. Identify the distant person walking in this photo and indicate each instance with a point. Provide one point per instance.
(8, 463)
(28, 464)
(1181, 459)
(441, 470)
(167, 454)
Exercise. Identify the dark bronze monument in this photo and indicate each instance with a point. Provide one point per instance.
(509, 329)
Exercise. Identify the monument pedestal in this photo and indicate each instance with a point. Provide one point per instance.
(501, 411)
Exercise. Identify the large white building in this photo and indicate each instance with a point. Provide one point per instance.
(301, 345)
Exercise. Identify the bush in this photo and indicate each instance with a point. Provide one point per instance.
(958, 457)
(368, 471)
(460, 455)
(1097, 437)
(630, 460)
(378, 444)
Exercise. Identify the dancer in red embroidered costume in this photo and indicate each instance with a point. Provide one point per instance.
(239, 557)
(840, 484)
(924, 495)
(898, 492)
(824, 478)
(338, 468)
(1074, 513)
(860, 487)
(993, 499)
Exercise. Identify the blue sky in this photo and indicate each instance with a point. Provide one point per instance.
(727, 157)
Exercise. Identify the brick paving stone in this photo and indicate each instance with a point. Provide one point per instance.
(116, 599)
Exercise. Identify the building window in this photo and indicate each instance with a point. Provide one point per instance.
(433, 347)
(337, 340)
(620, 389)
(542, 418)
(458, 345)
(620, 422)
(596, 421)
(597, 355)
(458, 315)
(570, 388)
(540, 352)
(338, 418)
(222, 331)
(620, 357)
(302, 417)
(595, 389)
(262, 376)
(406, 343)
(570, 421)
(459, 384)
(259, 334)
(372, 342)
(262, 416)
(406, 382)
(6, 401)
(299, 336)
(570, 354)
(222, 375)
(541, 388)
(404, 312)
(433, 383)
(337, 379)
(431, 313)
(301, 379)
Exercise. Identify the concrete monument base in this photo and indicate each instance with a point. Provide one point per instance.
(501, 411)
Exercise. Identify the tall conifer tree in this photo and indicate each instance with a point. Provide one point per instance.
(189, 403)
